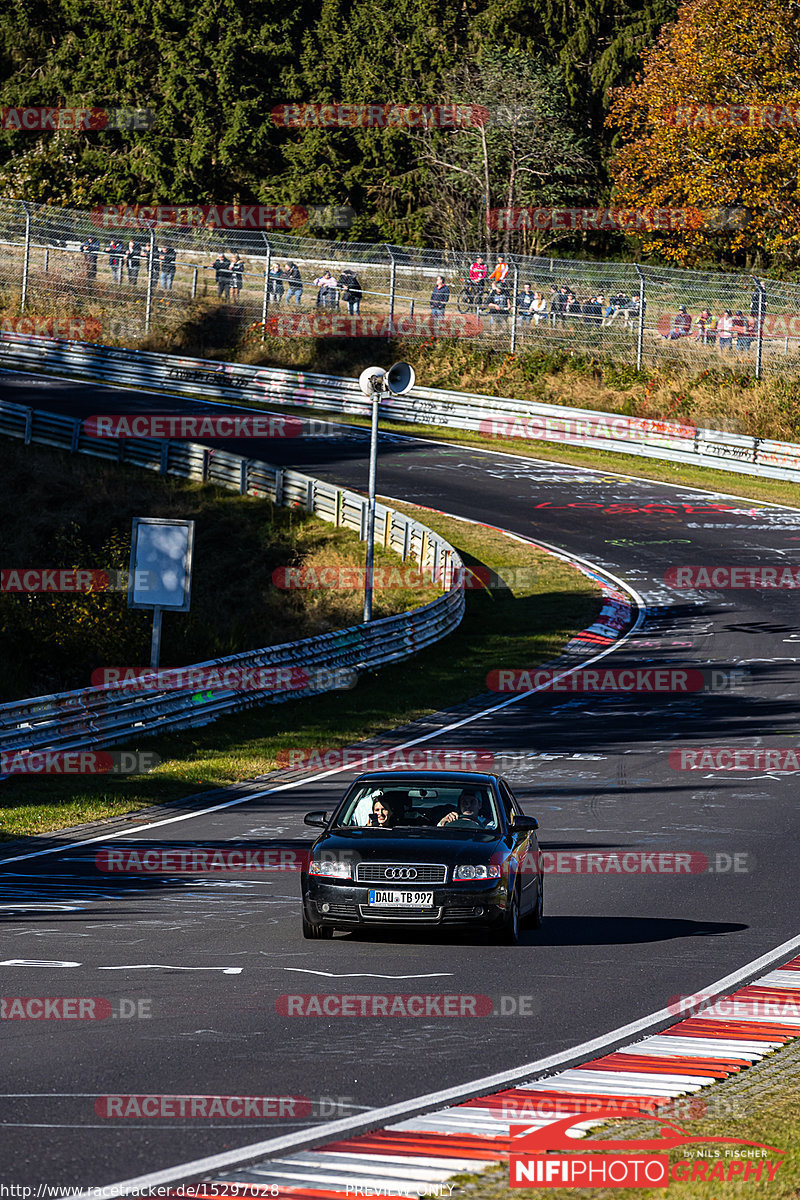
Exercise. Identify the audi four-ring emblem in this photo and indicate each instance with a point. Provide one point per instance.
(401, 873)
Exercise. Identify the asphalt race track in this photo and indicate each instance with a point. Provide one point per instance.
(595, 770)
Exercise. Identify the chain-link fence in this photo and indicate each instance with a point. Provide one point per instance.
(114, 277)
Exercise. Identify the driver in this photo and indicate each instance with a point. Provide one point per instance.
(469, 809)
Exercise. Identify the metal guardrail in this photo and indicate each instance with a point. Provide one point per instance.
(99, 717)
(493, 416)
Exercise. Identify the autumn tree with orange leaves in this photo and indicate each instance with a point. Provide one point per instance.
(678, 145)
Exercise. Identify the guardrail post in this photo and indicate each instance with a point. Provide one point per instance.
(310, 495)
(28, 426)
(46, 259)
(164, 463)
(77, 425)
(150, 273)
(640, 330)
(392, 289)
(279, 486)
(244, 467)
(194, 282)
(27, 257)
(265, 300)
(514, 293)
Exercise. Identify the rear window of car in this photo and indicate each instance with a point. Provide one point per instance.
(420, 806)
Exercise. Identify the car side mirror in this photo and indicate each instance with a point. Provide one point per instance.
(525, 824)
(316, 818)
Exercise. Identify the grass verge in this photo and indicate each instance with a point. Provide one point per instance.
(501, 628)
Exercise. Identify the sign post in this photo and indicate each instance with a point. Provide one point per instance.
(160, 573)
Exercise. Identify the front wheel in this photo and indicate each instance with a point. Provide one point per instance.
(536, 916)
(315, 931)
(467, 300)
(508, 932)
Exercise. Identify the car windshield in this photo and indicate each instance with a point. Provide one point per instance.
(380, 805)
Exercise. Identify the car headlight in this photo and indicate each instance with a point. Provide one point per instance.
(331, 870)
(468, 871)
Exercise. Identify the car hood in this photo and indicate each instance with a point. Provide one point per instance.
(412, 845)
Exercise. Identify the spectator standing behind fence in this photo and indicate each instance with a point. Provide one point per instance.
(558, 302)
(725, 330)
(592, 310)
(276, 278)
(166, 262)
(328, 287)
(525, 305)
(439, 299)
(90, 249)
(351, 291)
(706, 327)
(294, 283)
(739, 330)
(133, 259)
(538, 308)
(478, 271)
(116, 257)
(499, 274)
(222, 272)
(237, 274)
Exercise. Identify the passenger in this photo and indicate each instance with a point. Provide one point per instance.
(469, 809)
(383, 813)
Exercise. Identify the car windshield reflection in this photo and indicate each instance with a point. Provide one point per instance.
(378, 806)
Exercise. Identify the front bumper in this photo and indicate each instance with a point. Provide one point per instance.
(345, 905)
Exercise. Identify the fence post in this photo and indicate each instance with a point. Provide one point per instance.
(151, 258)
(760, 318)
(392, 289)
(640, 330)
(194, 282)
(27, 257)
(265, 301)
(514, 291)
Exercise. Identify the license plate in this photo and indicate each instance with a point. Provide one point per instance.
(402, 899)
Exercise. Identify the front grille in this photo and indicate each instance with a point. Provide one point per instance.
(453, 910)
(370, 872)
(392, 912)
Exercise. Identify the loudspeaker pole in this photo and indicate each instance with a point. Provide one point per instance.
(374, 382)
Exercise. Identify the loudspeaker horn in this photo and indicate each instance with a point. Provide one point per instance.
(400, 378)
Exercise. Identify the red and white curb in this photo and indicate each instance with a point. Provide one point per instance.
(419, 1155)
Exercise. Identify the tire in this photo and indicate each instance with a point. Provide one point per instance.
(508, 932)
(536, 916)
(315, 931)
(465, 302)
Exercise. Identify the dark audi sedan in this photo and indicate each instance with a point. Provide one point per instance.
(428, 848)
